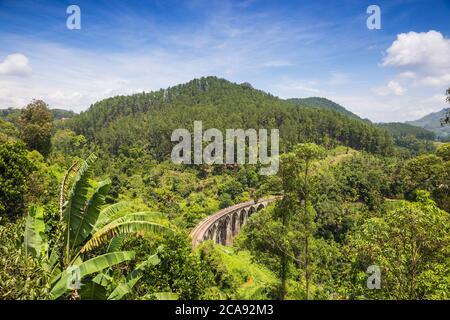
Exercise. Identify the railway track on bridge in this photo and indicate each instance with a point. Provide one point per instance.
(224, 225)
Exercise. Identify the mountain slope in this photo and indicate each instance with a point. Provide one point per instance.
(399, 129)
(323, 103)
(432, 122)
(146, 120)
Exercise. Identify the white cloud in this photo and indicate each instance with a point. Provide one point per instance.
(392, 88)
(15, 64)
(422, 57)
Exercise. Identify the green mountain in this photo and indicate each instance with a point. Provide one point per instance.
(409, 139)
(398, 130)
(323, 103)
(432, 122)
(146, 120)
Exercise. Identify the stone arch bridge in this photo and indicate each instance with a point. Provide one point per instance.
(222, 226)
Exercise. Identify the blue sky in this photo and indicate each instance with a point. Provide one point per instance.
(288, 48)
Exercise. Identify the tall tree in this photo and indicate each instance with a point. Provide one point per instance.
(447, 115)
(299, 187)
(14, 170)
(36, 124)
(284, 234)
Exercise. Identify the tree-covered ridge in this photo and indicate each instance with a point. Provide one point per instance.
(323, 103)
(148, 119)
(399, 129)
(433, 122)
(410, 139)
(12, 114)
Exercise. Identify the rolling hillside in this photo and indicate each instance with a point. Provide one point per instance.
(322, 103)
(398, 129)
(148, 119)
(432, 122)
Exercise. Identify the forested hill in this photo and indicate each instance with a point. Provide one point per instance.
(432, 122)
(399, 129)
(322, 103)
(148, 119)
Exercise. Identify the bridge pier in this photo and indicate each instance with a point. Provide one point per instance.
(229, 233)
(236, 224)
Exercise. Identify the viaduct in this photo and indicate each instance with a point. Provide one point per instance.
(222, 226)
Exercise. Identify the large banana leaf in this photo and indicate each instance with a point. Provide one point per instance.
(104, 261)
(89, 267)
(121, 227)
(35, 241)
(115, 243)
(103, 278)
(126, 287)
(93, 291)
(151, 216)
(110, 213)
(50, 265)
(90, 213)
(73, 208)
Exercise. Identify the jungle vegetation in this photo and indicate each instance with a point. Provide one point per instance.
(97, 194)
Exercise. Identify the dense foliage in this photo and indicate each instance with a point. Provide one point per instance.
(15, 167)
(98, 193)
(410, 139)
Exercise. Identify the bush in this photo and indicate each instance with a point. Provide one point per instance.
(14, 170)
(179, 271)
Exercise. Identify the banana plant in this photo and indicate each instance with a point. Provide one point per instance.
(86, 224)
(126, 286)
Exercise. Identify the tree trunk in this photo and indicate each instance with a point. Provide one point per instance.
(306, 268)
